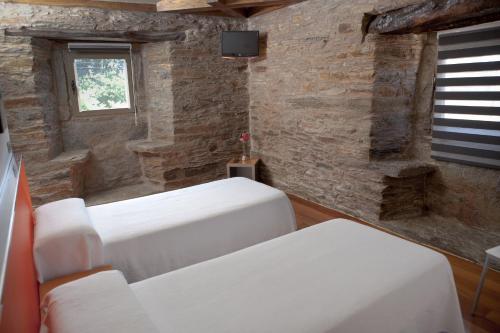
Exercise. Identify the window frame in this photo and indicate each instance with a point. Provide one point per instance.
(72, 87)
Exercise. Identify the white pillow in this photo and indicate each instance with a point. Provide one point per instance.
(100, 303)
(65, 240)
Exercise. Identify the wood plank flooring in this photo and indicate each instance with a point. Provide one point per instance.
(487, 318)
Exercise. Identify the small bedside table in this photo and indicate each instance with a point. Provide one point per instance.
(238, 168)
(49, 285)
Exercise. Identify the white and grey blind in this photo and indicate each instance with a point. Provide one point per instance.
(466, 124)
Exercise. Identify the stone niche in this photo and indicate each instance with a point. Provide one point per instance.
(191, 104)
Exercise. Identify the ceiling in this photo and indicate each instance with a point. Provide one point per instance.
(232, 8)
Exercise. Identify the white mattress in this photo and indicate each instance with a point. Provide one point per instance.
(337, 277)
(152, 235)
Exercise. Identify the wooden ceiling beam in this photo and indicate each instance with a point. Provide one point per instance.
(433, 15)
(257, 11)
(226, 6)
(260, 3)
(92, 3)
(180, 6)
(220, 5)
(110, 36)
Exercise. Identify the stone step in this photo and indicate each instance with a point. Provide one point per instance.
(54, 194)
(47, 178)
(64, 161)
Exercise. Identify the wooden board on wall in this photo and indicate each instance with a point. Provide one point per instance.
(104, 4)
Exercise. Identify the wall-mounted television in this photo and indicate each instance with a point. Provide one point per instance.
(238, 44)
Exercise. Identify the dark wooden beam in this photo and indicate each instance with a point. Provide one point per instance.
(220, 5)
(112, 36)
(259, 3)
(433, 15)
(113, 5)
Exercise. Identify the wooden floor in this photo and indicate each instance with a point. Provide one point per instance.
(466, 273)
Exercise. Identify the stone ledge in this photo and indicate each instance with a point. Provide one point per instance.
(403, 169)
(145, 146)
(73, 157)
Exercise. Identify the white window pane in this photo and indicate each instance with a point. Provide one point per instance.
(467, 103)
(102, 84)
(468, 60)
(474, 131)
(468, 74)
(469, 88)
(459, 116)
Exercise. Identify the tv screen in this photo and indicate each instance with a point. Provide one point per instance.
(240, 43)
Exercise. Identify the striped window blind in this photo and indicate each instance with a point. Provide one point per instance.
(466, 124)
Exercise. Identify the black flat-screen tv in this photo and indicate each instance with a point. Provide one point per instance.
(240, 44)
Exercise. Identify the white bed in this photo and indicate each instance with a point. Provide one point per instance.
(338, 276)
(152, 235)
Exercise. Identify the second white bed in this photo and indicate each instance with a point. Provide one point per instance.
(337, 277)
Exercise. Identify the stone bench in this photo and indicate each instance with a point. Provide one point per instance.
(59, 178)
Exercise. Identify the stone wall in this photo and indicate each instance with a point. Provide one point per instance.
(396, 64)
(318, 99)
(346, 124)
(208, 97)
(123, 150)
(28, 98)
(27, 86)
(338, 121)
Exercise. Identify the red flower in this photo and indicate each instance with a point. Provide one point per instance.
(245, 137)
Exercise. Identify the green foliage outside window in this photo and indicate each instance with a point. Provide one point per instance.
(102, 84)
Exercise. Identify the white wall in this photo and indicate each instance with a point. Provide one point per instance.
(8, 183)
(4, 139)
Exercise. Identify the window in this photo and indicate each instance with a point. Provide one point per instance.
(100, 78)
(466, 124)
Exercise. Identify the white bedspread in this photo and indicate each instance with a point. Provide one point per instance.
(337, 277)
(152, 235)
